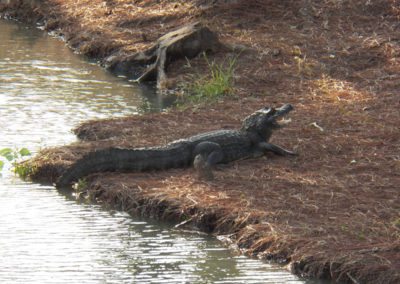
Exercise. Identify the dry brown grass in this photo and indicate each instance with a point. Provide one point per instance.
(331, 212)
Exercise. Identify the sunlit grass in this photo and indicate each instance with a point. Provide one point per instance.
(218, 82)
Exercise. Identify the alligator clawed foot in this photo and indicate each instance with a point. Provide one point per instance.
(204, 171)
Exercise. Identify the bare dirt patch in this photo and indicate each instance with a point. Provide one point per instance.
(333, 211)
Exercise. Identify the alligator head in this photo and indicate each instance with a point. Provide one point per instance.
(264, 121)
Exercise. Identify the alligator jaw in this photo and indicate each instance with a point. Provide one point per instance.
(284, 121)
(279, 114)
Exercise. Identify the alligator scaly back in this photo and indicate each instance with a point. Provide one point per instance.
(218, 146)
(174, 155)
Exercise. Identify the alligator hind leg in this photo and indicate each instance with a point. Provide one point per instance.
(206, 155)
(202, 169)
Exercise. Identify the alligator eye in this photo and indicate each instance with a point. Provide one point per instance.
(270, 111)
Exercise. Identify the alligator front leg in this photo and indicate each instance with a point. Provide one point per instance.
(269, 147)
(206, 155)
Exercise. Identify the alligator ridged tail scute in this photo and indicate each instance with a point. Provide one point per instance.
(174, 155)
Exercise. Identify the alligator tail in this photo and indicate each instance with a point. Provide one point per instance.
(177, 155)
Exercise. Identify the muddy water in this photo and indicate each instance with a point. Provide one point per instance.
(45, 236)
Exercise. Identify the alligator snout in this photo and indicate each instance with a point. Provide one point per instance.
(284, 109)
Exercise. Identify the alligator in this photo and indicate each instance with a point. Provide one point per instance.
(202, 150)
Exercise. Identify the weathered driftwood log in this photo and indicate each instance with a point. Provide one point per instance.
(187, 41)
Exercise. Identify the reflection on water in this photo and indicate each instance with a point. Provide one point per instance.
(41, 80)
(45, 237)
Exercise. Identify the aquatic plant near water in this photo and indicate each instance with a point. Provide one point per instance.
(15, 157)
(81, 190)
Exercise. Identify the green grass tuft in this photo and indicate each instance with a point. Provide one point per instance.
(216, 84)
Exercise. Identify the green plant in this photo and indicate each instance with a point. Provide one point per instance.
(23, 170)
(15, 157)
(144, 107)
(81, 190)
(80, 186)
(218, 83)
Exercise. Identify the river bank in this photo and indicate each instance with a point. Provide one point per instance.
(46, 236)
(333, 211)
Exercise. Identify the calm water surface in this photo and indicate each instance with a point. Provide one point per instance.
(45, 236)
